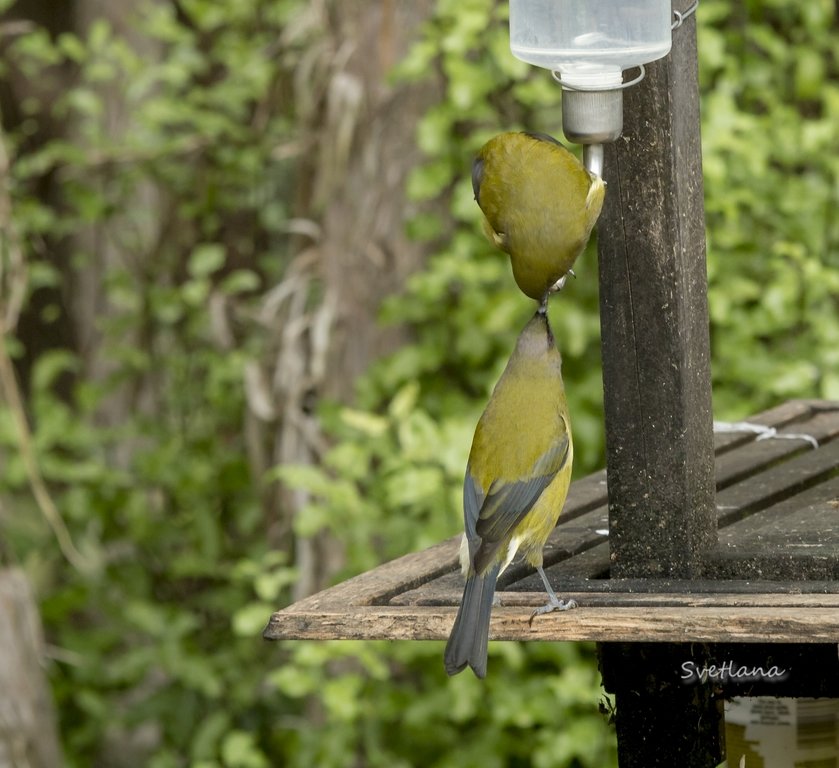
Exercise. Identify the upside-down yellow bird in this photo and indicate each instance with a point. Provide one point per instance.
(516, 482)
(539, 204)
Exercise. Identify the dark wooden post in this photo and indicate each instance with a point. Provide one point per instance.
(656, 375)
(654, 316)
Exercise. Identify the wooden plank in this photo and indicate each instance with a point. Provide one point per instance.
(768, 485)
(382, 583)
(815, 511)
(814, 529)
(671, 599)
(793, 540)
(786, 413)
(571, 539)
(778, 482)
(756, 455)
(709, 586)
(592, 563)
(584, 495)
(713, 623)
(447, 588)
(780, 565)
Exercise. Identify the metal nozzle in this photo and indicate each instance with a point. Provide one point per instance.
(592, 117)
(593, 158)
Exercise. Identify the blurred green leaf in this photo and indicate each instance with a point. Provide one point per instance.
(206, 259)
(239, 750)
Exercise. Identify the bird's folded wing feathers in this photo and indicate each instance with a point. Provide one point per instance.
(473, 498)
(507, 503)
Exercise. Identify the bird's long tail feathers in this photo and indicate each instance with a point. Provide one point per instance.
(470, 633)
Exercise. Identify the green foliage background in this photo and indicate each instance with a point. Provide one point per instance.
(156, 642)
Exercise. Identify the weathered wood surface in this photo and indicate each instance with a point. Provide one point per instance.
(796, 623)
(654, 327)
(657, 398)
(774, 577)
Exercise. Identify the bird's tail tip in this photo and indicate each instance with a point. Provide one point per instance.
(467, 645)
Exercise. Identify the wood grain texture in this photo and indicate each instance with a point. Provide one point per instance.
(777, 483)
(661, 623)
(382, 583)
(654, 323)
(752, 456)
(782, 415)
(812, 513)
(779, 525)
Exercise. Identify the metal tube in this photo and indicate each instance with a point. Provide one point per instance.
(593, 158)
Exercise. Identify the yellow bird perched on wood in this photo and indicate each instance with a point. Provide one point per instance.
(516, 482)
(539, 204)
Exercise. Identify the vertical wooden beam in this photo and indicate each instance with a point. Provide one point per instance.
(654, 318)
(661, 720)
(657, 388)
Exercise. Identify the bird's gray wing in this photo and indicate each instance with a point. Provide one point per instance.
(507, 503)
(473, 498)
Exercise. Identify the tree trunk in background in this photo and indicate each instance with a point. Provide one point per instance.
(85, 293)
(355, 208)
(366, 254)
(28, 735)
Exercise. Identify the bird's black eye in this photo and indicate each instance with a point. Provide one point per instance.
(477, 177)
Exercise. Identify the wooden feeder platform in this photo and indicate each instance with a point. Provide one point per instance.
(773, 577)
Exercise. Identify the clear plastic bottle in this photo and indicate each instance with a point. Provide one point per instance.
(589, 43)
(585, 38)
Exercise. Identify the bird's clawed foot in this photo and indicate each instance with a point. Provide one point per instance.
(554, 604)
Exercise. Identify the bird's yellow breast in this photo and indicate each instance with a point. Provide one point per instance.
(523, 418)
